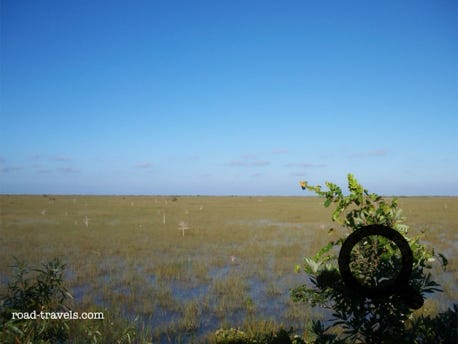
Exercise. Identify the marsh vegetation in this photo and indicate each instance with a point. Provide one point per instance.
(232, 266)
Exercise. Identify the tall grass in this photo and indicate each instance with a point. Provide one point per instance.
(234, 264)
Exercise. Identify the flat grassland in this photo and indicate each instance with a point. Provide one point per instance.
(190, 265)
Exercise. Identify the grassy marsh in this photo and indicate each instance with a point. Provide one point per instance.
(234, 266)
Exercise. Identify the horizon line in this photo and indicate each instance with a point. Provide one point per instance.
(189, 195)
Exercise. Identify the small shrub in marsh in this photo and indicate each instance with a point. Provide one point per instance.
(32, 291)
(45, 292)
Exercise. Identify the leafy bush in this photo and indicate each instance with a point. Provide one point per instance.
(356, 318)
(45, 292)
(42, 290)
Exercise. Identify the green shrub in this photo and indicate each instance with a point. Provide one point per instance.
(356, 318)
(32, 291)
(44, 292)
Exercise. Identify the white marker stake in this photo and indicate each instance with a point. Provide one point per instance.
(182, 227)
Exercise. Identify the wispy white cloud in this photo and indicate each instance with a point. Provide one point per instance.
(371, 153)
(44, 171)
(249, 160)
(68, 170)
(144, 165)
(62, 158)
(298, 174)
(378, 152)
(279, 151)
(248, 156)
(11, 169)
(249, 163)
(304, 165)
(256, 175)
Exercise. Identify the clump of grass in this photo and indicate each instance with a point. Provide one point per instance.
(272, 290)
(164, 299)
(191, 318)
(232, 285)
(170, 271)
(199, 271)
(230, 295)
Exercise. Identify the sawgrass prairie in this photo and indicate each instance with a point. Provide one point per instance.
(190, 265)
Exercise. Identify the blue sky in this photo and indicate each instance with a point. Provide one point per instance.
(228, 97)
